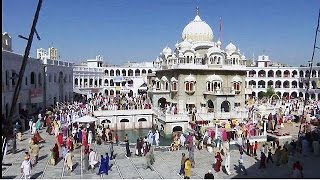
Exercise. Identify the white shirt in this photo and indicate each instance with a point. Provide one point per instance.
(26, 167)
(92, 157)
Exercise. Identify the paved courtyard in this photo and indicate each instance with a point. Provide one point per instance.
(166, 166)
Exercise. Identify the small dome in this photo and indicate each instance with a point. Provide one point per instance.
(166, 50)
(157, 60)
(173, 79)
(231, 47)
(214, 78)
(236, 79)
(190, 78)
(219, 43)
(197, 30)
(164, 78)
(185, 45)
(243, 57)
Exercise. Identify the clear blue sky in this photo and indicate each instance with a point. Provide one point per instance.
(139, 29)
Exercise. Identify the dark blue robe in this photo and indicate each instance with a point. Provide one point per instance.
(103, 166)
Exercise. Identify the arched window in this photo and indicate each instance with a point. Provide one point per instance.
(111, 92)
(76, 81)
(189, 86)
(158, 85)
(174, 86)
(33, 78)
(237, 87)
(166, 86)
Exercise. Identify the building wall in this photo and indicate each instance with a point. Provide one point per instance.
(59, 81)
(103, 79)
(286, 81)
(11, 63)
(199, 98)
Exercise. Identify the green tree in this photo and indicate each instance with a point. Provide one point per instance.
(269, 93)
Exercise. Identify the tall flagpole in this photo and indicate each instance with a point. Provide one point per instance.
(220, 30)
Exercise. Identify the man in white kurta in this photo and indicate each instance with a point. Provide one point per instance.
(92, 158)
(90, 136)
(26, 167)
(227, 163)
(156, 137)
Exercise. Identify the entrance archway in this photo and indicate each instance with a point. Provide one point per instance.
(210, 106)
(162, 102)
(225, 106)
(177, 128)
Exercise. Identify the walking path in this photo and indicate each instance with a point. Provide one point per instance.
(166, 166)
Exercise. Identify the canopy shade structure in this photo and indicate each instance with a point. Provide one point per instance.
(86, 119)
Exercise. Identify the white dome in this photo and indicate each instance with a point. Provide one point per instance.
(157, 60)
(214, 78)
(236, 79)
(166, 51)
(219, 43)
(231, 47)
(190, 78)
(197, 30)
(243, 57)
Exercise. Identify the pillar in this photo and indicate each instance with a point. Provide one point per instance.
(216, 131)
(265, 127)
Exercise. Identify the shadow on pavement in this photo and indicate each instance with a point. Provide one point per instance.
(75, 165)
(36, 175)
(9, 177)
(42, 157)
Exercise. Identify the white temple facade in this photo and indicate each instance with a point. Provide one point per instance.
(198, 75)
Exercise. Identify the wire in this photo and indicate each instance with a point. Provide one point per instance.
(309, 74)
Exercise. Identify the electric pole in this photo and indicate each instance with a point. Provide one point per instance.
(21, 73)
(309, 74)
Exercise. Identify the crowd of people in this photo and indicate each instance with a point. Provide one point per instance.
(69, 136)
(120, 102)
